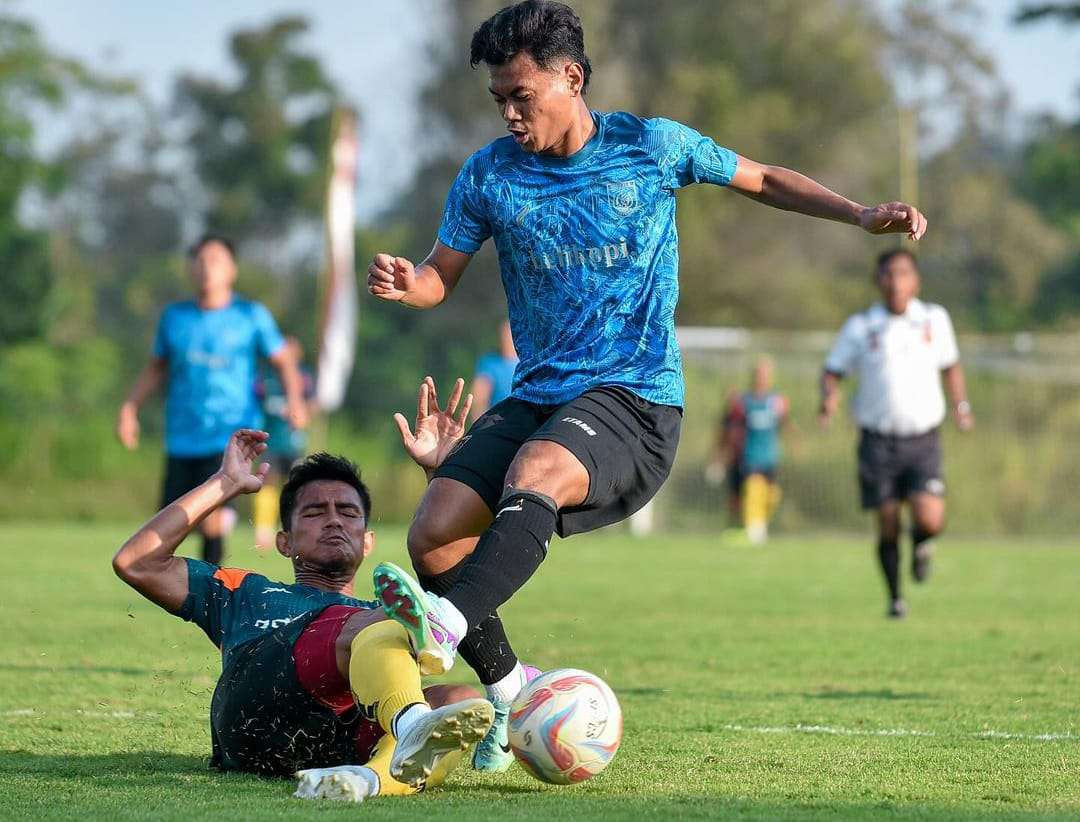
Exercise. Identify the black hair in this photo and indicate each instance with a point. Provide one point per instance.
(321, 466)
(208, 238)
(543, 29)
(886, 257)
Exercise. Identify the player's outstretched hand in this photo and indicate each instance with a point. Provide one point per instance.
(437, 430)
(127, 427)
(894, 218)
(390, 278)
(245, 446)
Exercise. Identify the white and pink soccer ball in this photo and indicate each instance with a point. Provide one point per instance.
(565, 726)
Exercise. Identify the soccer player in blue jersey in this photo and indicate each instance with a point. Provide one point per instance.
(206, 351)
(313, 678)
(581, 207)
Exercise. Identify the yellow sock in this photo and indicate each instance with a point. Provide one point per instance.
(380, 763)
(265, 507)
(775, 495)
(382, 672)
(755, 502)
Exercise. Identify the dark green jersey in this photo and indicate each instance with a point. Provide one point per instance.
(234, 606)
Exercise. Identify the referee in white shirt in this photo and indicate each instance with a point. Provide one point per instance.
(896, 349)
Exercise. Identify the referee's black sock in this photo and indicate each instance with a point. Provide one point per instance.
(889, 555)
(212, 549)
(508, 553)
(485, 648)
(919, 536)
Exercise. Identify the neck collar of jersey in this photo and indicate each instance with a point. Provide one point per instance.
(579, 156)
(916, 310)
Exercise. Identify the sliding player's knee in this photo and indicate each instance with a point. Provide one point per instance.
(439, 695)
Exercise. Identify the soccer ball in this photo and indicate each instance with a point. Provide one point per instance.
(565, 726)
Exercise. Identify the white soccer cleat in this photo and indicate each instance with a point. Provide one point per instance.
(436, 735)
(344, 783)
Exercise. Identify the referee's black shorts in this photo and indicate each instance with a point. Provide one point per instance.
(626, 443)
(892, 468)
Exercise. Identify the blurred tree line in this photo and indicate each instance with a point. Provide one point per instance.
(92, 232)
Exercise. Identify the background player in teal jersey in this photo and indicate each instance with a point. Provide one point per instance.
(581, 207)
(206, 351)
(312, 677)
(752, 425)
(494, 375)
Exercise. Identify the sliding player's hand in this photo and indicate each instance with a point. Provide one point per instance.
(437, 430)
(390, 278)
(245, 446)
(894, 218)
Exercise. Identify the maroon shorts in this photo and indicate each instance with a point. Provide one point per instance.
(316, 669)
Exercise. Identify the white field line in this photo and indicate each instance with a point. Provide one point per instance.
(34, 712)
(829, 730)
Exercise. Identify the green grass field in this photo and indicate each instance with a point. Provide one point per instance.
(756, 684)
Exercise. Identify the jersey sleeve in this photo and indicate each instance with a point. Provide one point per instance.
(268, 339)
(845, 351)
(161, 339)
(210, 591)
(686, 156)
(485, 367)
(465, 224)
(944, 339)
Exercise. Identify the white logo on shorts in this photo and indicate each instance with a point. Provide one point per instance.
(936, 487)
(582, 425)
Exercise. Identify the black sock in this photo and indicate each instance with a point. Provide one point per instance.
(485, 648)
(889, 555)
(212, 549)
(508, 553)
(919, 536)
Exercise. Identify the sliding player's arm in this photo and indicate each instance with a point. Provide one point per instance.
(147, 561)
(788, 190)
(395, 279)
(438, 430)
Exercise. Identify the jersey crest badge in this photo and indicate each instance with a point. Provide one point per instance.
(623, 197)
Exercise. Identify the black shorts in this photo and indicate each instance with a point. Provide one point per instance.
(263, 721)
(184, 473)
(893, 468)
(626, 443)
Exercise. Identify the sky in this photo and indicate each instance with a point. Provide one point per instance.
(374, 50)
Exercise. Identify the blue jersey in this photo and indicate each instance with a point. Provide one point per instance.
(500, 370)
(763, 414)
(212, 358)
(234, 606)
(588, 252)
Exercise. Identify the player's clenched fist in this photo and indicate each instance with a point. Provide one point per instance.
(390, 278)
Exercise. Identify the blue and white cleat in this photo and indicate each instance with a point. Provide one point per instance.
(405, 602)
(493, 754)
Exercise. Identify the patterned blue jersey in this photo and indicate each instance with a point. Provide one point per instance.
(588, 252)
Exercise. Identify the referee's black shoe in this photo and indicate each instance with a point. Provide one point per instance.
(922, 561)
(897, 609)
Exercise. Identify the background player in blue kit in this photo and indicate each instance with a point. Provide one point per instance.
(493, 379)
(206, 351)
(581, 207)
